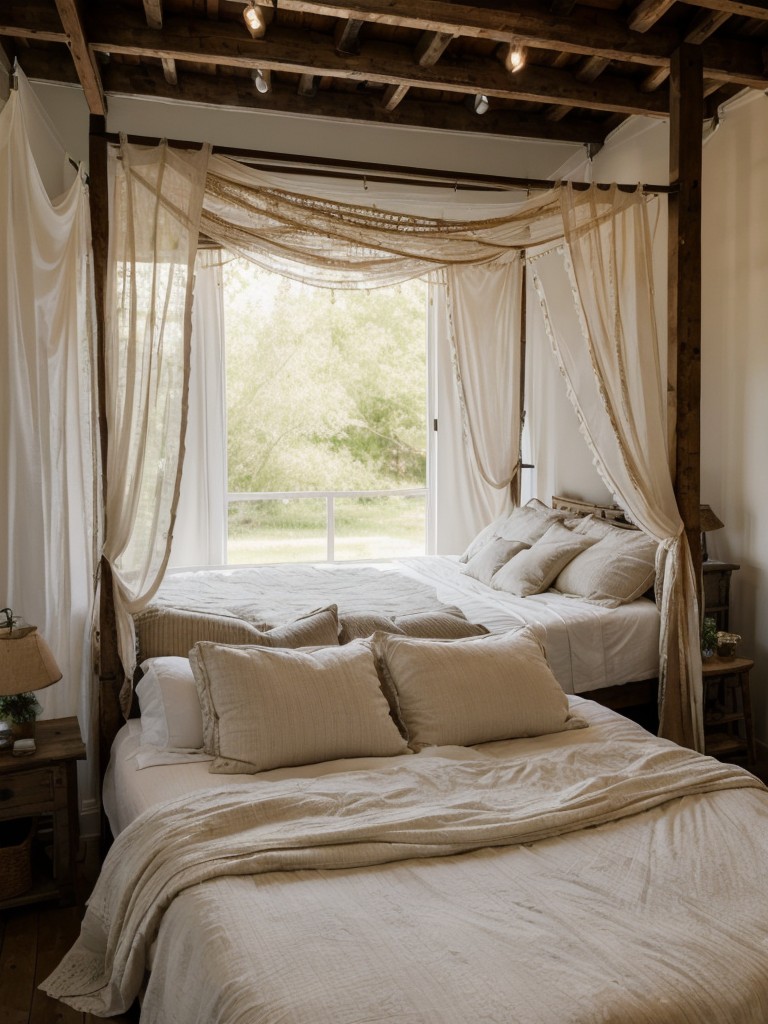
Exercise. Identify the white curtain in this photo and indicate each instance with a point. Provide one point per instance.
(609, 354)
(47, 405)
(154, 225)
(199, 536)
(484, 311)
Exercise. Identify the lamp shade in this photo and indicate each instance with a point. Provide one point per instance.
(26, 661)
(708, 519)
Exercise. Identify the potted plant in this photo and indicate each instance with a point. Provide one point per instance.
(21, 710)
(708, 638)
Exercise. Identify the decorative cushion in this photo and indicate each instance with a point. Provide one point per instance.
(174, 631)
(473, 690)
(358, 626)
(171, 719)
(488, 533)
(530, 522)
(534, 569)
(444, 623)
(617, 569)
(490, 558)
(268, 708)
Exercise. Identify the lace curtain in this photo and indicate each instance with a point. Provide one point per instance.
(608, 348)
(154, 225)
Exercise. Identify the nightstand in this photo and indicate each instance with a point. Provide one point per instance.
(728, 709)
(717, 591)
(43, 786)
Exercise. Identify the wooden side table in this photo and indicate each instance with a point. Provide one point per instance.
(43, 786)
(717, 591)
(728, 728)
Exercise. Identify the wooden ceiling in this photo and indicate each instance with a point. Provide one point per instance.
(419, 63)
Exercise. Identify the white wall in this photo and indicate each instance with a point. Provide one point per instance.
(734, 424)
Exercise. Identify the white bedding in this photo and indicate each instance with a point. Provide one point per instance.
(631, 891)
(588, 646)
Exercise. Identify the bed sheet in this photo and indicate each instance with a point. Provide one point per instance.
(589, 647)
(636, 921)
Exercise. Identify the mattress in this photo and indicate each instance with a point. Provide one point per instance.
(636, 918)
(588, 646)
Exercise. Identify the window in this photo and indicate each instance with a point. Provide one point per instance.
(326, 395)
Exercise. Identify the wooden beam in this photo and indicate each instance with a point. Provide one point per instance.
(346, 36)
(33, 20)
(169, 71)
(684, 291)
(702, 28)
(431, 47)
(758, 11)
(233, 91)
(153, 12)
(591, 68)
(87, 71)
(647, 13)
(307, 85)
(393, 95)
(384, 62)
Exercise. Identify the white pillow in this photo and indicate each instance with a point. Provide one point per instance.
(529, 523)
(171, 719)
(533, 570)
(488, 533)
(490, 558)
(266, 707)
(617, 569)
(462, 692)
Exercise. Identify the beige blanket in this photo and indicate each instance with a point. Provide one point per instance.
(427, 808)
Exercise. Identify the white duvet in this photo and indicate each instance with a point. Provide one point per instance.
(563, 880)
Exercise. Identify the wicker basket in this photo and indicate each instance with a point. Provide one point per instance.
(15, 857)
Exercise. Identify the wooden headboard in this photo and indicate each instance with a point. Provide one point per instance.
(585, 508)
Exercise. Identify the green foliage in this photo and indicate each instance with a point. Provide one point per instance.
(20, 707)
(325, 390)
(708, 634)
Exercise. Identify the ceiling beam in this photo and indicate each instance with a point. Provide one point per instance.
(386, 63)
(146, 81)
(346, 36)
(153, 12)
(394, 95)
(82, 56)
(647, 13)
(755, 10)
(307, 85)
(429, 49)
(31, 20)
(701, 28)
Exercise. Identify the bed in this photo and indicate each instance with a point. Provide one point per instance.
(596, 873)
(605, 649)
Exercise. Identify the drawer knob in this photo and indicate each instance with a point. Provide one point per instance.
(6, 794)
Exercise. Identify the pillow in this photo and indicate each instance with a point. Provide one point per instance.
(171, 719)
(488, 533)
(529, 523)
(443, 623)
(270, 708)
(594, 526)
(617, 569)
(174, 631)
(490, 558)
(359, 625)
(534, 569)
(474, 690)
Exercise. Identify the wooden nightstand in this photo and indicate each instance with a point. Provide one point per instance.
(728, 729)
(43, 786)
(717, 591)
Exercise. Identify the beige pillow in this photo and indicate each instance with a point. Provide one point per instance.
(617, 569)
(269, 708)
(163, 632)
(488, 533)
(529, 523)
(440, 625)
(490, 558)
(475, 690)
(359, 625)
(534, 569)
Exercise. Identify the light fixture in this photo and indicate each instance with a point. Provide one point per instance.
(26, 660)
(261, 79)
(708, 521)
(479, 104)
(255, 20)
(515, 56)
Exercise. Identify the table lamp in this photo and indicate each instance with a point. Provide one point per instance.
(709, 521)
(26, 662)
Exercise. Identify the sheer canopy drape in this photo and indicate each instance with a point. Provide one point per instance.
(154, 226)
(609, 353)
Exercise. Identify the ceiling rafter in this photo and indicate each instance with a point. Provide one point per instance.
(429, 49)
(82, 56)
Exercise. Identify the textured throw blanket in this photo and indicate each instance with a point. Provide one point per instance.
(428, 807)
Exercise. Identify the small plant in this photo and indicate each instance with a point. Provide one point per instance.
(20, 708)
(708, 637)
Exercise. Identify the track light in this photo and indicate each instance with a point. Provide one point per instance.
(261, 79)
(255, 20)
(479, 103)
(515, 58)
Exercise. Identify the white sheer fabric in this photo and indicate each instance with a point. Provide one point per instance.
(615, 384)
(154, 226)
(199, 535)
(484, 310)
(47, 407)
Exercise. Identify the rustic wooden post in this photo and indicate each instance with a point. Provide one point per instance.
(110, 669)
(517, 483)
(685, 164)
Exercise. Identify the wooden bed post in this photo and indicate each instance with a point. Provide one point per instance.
(685, 165)
(518, 482)
(110, 669)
